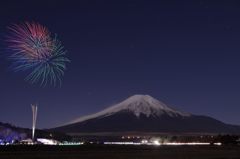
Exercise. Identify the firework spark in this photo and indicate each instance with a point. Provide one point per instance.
(34, 49)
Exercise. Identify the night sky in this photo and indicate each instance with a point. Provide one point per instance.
(184, 53)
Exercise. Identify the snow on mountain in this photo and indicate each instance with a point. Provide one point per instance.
(137, 104)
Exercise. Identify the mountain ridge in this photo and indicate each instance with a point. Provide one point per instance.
(138, 104)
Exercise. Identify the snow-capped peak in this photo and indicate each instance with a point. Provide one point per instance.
(137, 104)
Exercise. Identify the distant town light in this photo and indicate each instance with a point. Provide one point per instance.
(156, 142)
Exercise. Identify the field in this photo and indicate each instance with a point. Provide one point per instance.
(119, 152)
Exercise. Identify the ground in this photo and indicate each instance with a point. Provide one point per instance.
(119, 152)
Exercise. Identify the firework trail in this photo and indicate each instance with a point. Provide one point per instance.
(35, 50)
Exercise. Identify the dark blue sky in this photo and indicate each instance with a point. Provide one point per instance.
(184, 53)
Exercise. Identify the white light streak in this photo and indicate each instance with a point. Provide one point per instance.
(34, 113)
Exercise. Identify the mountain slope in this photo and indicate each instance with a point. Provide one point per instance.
(142, 113)
(8, 133)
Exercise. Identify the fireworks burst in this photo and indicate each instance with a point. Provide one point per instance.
(34, 49)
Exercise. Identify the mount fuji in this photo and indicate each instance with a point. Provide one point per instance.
(143, 113)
